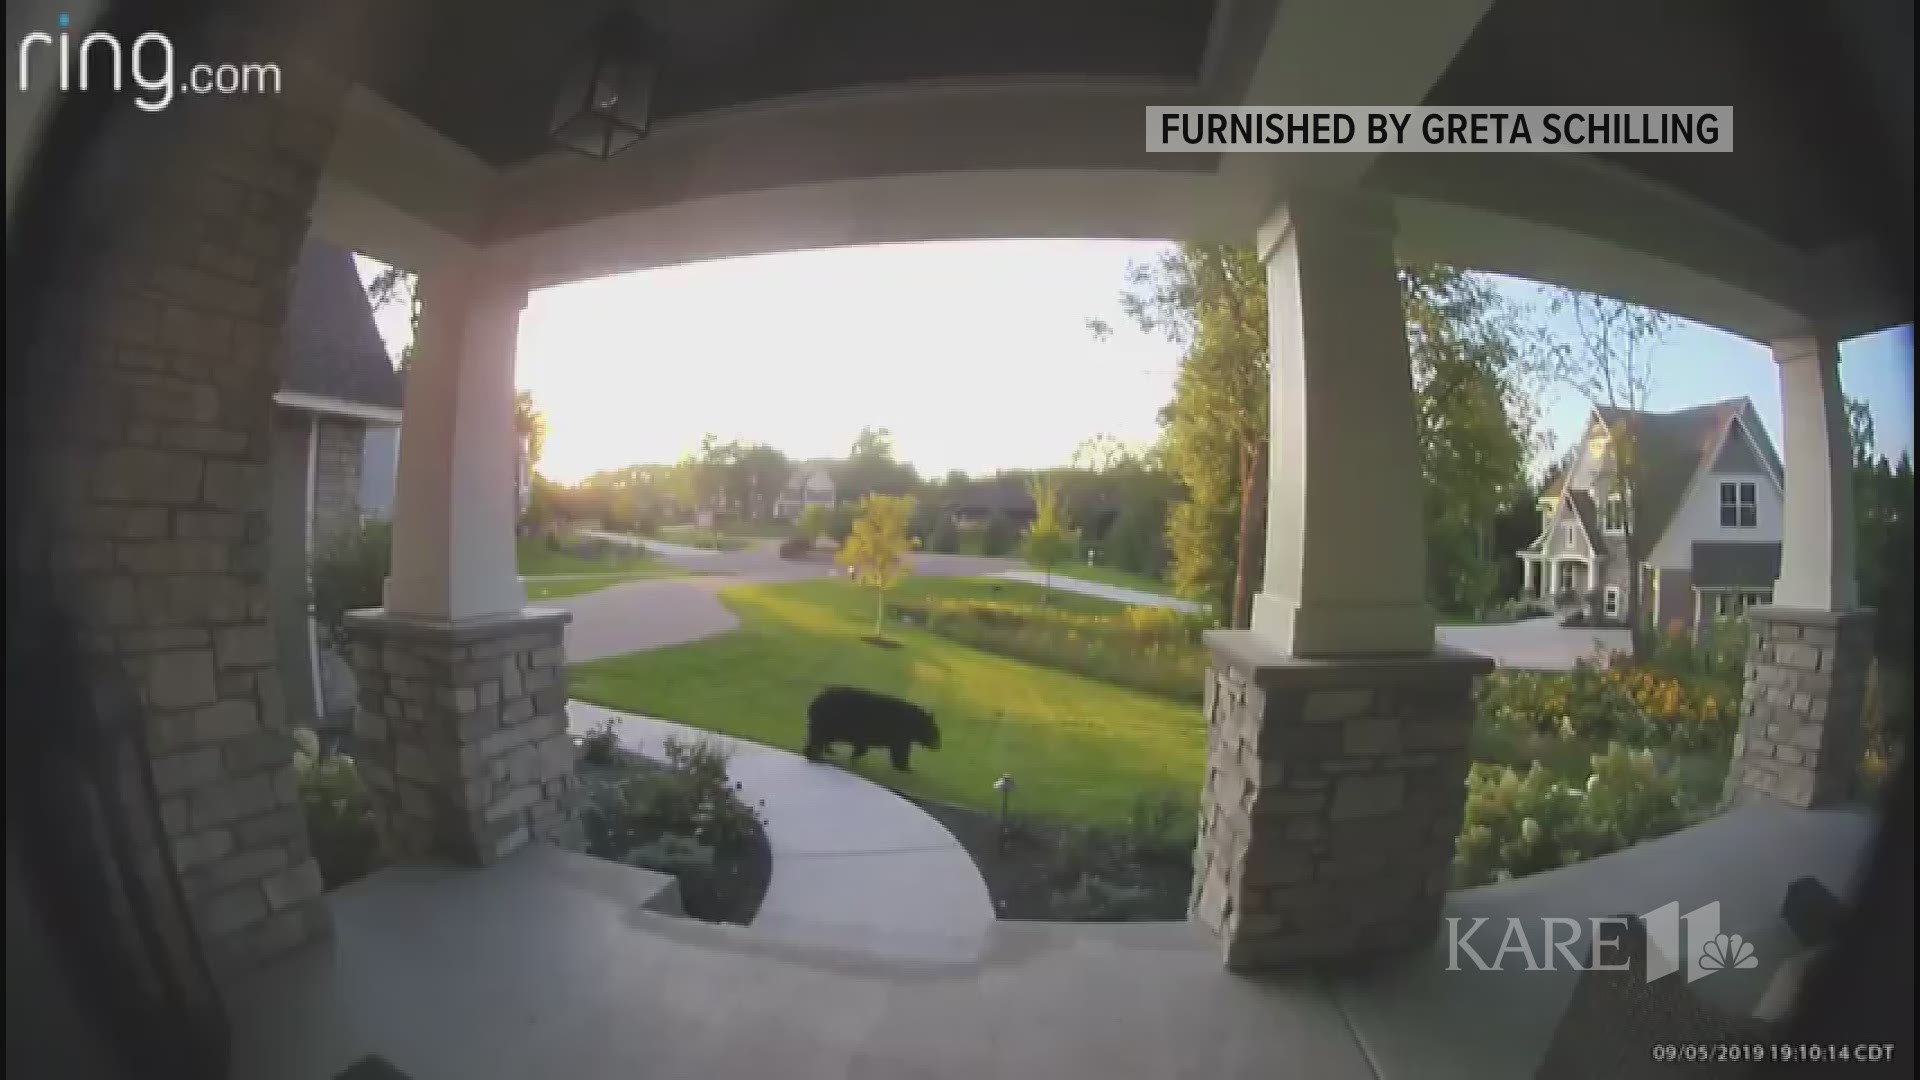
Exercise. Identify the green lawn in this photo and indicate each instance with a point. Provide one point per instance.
(1015, 592)
(1078, 749)
(536, 560)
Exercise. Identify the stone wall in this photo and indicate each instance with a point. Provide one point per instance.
(461, 734)
(1333, 795)
(1800, 736)
(170, 289)
(338, 448)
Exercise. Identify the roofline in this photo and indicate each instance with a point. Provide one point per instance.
(321, 403)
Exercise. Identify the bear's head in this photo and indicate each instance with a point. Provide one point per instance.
(926, 732)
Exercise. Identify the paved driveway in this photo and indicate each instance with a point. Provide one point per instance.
(1536, 644)
(641, 615)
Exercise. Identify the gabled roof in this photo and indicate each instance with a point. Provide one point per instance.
(1733, 565)
(1589, 516)
(1673, 448)
(330, 348)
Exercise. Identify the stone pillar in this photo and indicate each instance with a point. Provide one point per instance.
(461, 734)
(153, 364)
(1346, 568)
(1336, 732)
(461, 724)
(1800, 736)
(1333, 795)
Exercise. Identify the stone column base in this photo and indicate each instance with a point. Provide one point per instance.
(461, 734)
(1800, 736)
(1333, 795)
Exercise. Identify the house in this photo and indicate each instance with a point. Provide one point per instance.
(810, 484)
(1708, 516)
(335, 434)
(1010, 497)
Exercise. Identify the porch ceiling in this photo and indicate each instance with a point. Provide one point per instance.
(786, 125)
(483, 72)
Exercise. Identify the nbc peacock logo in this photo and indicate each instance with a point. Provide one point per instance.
(1708, 950)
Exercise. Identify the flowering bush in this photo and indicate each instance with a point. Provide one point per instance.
(1640, 706)
(1521, 823)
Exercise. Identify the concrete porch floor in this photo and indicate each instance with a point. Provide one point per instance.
(546, 966)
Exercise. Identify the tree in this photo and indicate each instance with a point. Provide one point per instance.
(812, 523)
(393, 285)
(877, 548)
(1610, 364)
(762, 472)
(1052, 540)
(1475, 425)
(871, 468)
(1000, 536)
(1212, 299)
(530, 423)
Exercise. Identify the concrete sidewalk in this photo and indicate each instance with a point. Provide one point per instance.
(1115, 593)
(856, 868)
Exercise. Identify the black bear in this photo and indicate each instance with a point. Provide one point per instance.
(863, 719)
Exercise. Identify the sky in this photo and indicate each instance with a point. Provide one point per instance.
(975, 355)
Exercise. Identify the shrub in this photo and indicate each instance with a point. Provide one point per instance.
(349, 573)
(600, 744)
(685, 818)
(1000, 537)
(840, 522)
(944, 537)
(1521, 823)
(1095, 899)
(812, 523)
(691, 797)
(1150, 649)
(340, 826)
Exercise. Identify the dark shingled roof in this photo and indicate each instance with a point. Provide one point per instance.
(1589, 518)
(330, 346)
(1725, 566)
(1672, 448)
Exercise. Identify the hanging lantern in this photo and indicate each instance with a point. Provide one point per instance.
(606, 103)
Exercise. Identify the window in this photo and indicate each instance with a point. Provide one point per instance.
(1614, 518)
(1568, 535)
(1739, 507)
(1729, 604)
(1610, 602)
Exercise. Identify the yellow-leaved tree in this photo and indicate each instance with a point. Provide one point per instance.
(877, 548)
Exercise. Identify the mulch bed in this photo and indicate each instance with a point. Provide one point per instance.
(1025, 871)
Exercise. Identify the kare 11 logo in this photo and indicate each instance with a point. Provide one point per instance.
(149, 62)
(1705, 948)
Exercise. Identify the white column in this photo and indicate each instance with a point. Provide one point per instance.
(1346, 543)
(454, 497)
(1817, 542)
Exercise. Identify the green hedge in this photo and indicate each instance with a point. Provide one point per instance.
(1150, 649)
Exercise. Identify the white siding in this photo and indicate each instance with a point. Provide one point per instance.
(1698, 518)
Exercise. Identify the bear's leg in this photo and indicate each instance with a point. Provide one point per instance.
(859, 749)
(899, 752)
(815, 751)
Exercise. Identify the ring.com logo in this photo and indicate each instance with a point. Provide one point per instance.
(148, 62)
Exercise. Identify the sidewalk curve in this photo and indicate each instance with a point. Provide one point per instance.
(855, 867)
